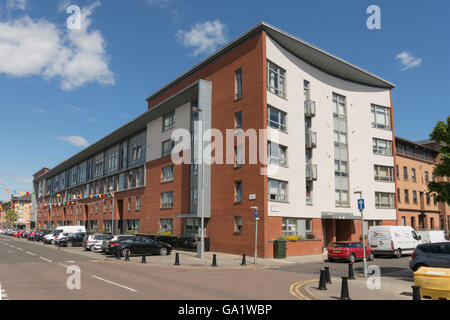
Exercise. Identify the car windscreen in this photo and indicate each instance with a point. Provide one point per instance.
(341, 245)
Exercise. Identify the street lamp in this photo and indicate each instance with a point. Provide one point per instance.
(111, 190)
(363, 235)
(200, 253)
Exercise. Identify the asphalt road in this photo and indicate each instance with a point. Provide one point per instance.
(31, 270)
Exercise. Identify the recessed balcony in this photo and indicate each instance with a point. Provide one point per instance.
(311, 172)
(310, 139)
(310, 108)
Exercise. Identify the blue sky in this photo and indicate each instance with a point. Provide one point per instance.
(62, 89)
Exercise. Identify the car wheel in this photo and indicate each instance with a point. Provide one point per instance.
(53, 241)
(418, 266)
(70, 244)
(398, 253)
(124, 252)
(163, 251)
(351, 258)
(371, 256)
(330, 259)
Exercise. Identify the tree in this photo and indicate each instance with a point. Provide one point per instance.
(441, 135)
(11, 216)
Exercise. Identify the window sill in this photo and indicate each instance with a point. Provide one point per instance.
(237, 202)
(238, 167)
(237, 233)
(277, 95)
(237, 98)
(279, 201)
(167, 208)
(168, 181)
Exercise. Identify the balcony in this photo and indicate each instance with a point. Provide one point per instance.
(310, 108)
(310, 139)
(311, 172)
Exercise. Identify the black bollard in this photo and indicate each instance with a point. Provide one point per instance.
(244, 261)
(143, 259)
(177, 259)
(214, 262)
(344, 289)
(127, 256)
(351, 276)
(118, 256)
(416, 293)
(322, 285)
(327, 275)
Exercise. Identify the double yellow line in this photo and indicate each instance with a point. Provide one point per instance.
(295, 289)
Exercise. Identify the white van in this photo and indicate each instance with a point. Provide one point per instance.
(393, 240)
(432, 236)
(58, 233)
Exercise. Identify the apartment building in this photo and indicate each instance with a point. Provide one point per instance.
(444, 208)
(322, 129)
(414, 169)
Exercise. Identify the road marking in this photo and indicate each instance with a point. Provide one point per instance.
(45, 259)
(116, 284)
(31, 253)
(295, 289)
(61, 264)
(19, 249)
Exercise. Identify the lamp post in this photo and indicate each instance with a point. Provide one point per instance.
(200, 253)
(363, 234)
(111, 190)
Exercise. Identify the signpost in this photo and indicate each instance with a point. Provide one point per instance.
(256, 216)
(361, 206)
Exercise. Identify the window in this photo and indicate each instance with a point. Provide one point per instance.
(277, 190)
(384, 200)
(168, 121)
(237, 191)
(137, 149)
(340, 168)
(339, 106)
(238, 224)
(140, 177)
(98, 165)
(138, 203)
(167, 147)
(413, 175)
(428, 198)
(238, 121)
(382, 147)
(341, 198)
(238, 83)
(403, 221)
(406, 196)
(129, 204)
(306, 90)
(397, 172)
(276, 79)
(167, 225)
(309, 188)
(427, 178)
(405, 173)
(121, 181)
(296, 227)
(133, 225)
(96, 208)
(381, 117)
(238, 156)
(191, 226)
(105, 205)
(276, 118)
(166, 200)
(167, 174)
(398, 195)
(276, 154)
(383, 173)
(414, 197)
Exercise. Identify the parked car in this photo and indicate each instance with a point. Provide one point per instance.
(51, 236)
(432, 236)
(349, 250)
(393, 240)
(139, 246)
(31, 236)
(431, 255)
(105, 243)
(40, 235)
(71, 240)
(96, 239)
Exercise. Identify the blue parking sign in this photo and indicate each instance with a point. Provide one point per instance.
(256, 214)
(360, 204)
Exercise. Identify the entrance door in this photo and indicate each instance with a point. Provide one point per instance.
(343, 230)
(120, 225)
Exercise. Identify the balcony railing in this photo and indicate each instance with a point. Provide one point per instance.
(310, 139)
(310, 108)
(311, 172)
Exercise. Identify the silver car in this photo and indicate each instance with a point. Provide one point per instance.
(431, 255)
(94, 241)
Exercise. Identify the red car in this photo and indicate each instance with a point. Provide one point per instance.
(349, 250)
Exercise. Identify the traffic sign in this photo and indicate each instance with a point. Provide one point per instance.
(360, 204)
(256, 214)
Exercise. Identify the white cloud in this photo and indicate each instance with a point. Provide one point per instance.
(39, 110)
(16, 4)
(41, 48)
(75, 140)
(203, 37)
(408, 60)
(159, 3)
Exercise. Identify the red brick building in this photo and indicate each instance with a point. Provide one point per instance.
(129, 177)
